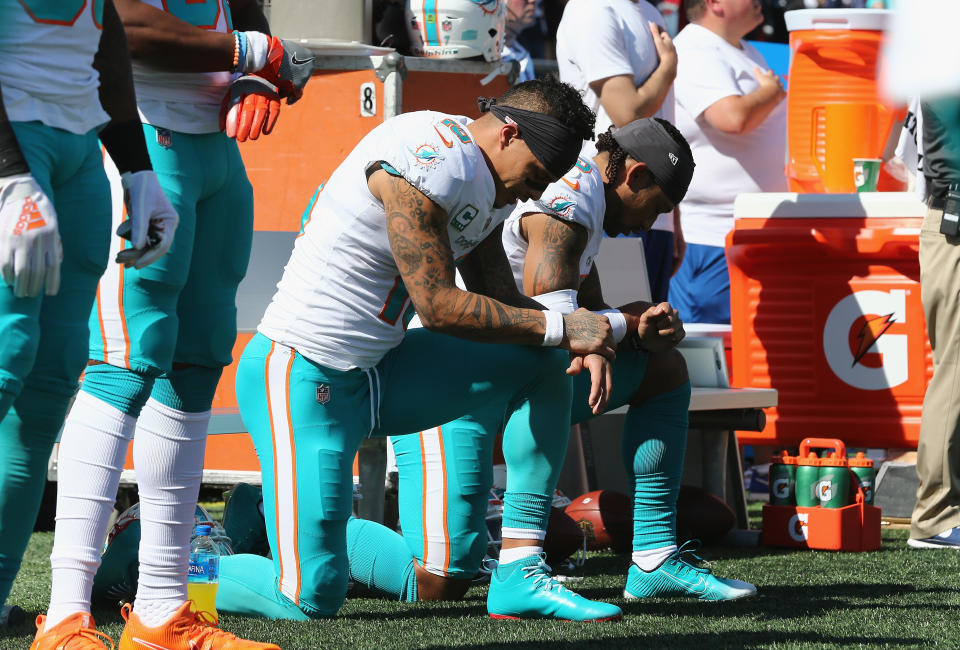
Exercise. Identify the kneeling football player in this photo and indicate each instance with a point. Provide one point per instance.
(619, 186)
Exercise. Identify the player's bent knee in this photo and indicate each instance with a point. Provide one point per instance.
(666, 371)
(433, 587)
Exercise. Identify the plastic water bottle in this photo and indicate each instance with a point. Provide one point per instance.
(204, 571)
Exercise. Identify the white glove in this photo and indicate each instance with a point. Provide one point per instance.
(30, 249)
(151, 216)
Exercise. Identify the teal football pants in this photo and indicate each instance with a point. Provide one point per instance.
(182, 308)
(307, 422)
(451, 465)
(44, 338)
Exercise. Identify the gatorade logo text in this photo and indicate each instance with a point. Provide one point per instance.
(29, 218)
(781, 488)
(797, 527)
(881, 309)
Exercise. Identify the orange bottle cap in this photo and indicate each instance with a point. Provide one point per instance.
(833, 461)
(783, 458)
(811, 459)
(860, 461)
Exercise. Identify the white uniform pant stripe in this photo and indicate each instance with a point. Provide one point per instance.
(436, 544)
(109, 302)
(285, 476)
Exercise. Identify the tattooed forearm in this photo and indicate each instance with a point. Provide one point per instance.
(553, 254)
(416, 230)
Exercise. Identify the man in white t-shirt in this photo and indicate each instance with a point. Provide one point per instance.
(619, 56)
(730, 109)
(520, 15)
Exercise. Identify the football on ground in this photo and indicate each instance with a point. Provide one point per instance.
(564, 537)
(606, 519)
(702, 515)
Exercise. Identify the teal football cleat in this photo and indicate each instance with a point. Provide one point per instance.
(525, 589)
(678, 577)
(243, 520)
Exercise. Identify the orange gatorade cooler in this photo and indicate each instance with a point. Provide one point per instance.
(834, 112)
(825, 308)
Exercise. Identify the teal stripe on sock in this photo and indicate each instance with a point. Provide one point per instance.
(526, 510)
(654, 444)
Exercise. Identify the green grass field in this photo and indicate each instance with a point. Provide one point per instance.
(892, 597)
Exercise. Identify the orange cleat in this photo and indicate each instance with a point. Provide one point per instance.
(76, 632)
(187, 630)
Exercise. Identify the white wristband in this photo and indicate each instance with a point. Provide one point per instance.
(553, 333)
(258, 46)
(618, 323)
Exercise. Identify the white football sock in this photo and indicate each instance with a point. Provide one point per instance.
(92, 448)
(508, 555)
(650, 559)
(168, 452)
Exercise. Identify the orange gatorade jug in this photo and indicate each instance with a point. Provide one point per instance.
(834, 112)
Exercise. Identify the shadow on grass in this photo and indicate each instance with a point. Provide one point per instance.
(731, 639)
(800, 602)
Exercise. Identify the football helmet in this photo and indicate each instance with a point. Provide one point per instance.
(456, 29)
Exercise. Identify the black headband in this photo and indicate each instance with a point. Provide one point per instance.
(549, 139)
(647, 141)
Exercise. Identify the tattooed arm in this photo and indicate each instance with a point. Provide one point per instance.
(486, 270)
(416, 228)
(554, 248)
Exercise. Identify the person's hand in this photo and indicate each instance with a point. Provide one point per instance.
(30, 249)
(250, 107)
(770, 83)
(601, 379)
(289, 66)
(151, 220)
(665, 49)
(585, 332)
(660, 328)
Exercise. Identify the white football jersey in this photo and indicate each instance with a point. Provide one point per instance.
(577, 197)
(47, 49)
(188, 102)
(341, 301)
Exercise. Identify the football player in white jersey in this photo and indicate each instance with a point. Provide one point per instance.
(552, 243)
(333, 363)
(66, 75)
(161, 334)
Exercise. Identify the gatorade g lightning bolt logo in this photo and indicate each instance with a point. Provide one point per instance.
(881, 310)
(797, 527)
(825, 490)
(781, 488)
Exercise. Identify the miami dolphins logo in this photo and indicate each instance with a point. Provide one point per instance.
(425, 154)
(487, 6)
(561, 205)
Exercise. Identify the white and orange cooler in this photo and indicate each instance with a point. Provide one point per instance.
(834, 109)
(825, 308)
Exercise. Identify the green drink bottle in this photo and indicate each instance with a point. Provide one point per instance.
(862, 468)
(808, 476)
(783, 480)
(834, 482)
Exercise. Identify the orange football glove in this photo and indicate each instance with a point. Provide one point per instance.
(289, 66)
(250, 107)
